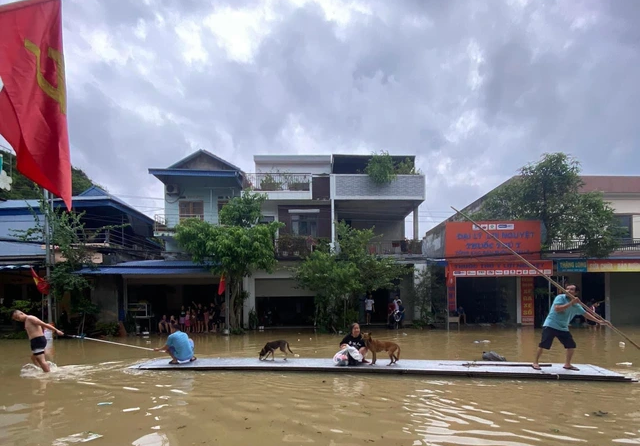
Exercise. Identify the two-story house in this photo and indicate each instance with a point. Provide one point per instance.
(612, 282)
(309, 194)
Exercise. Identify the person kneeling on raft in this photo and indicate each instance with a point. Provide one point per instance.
(179, 346)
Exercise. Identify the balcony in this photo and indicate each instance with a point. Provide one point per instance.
(295, 247)
(165, 224)
(360, 187)
(396, 248)
(626, 245)
(282, 186)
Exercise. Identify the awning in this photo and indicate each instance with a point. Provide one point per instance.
(148, 268)
(14, 267)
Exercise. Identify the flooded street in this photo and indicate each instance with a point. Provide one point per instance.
(191, 408)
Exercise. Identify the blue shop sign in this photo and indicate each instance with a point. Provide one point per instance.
(571, 266)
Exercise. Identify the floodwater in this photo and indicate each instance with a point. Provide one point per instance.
(148, 408)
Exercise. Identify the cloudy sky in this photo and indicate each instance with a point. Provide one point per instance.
(474, 88)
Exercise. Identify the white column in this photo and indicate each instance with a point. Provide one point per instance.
(332, 194)
(249, 285)
(416, 223)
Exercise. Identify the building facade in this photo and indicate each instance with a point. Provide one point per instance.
(309, 194)
(520, 296)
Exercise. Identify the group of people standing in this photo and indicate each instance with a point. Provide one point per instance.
(196, 319)
(395, 311)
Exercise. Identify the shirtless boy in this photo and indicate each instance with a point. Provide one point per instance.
(34, 326)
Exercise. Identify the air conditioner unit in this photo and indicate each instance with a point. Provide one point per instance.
(171, 189)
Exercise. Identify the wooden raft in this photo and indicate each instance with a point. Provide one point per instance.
(468, 369)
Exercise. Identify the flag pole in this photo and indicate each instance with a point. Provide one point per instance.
(47, 252)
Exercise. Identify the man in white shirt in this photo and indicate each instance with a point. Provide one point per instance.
(369, 307)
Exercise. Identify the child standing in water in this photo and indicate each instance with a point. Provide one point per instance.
(182, 318)
(187, 322)
(34, 326)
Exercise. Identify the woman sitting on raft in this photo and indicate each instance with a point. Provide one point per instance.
(354, 339)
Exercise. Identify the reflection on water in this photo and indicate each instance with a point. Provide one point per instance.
(91, 391)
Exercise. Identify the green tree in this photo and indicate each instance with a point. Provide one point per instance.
(338, 277)
(24, 189)
(430, 295)
(235, 248)
(68, 235)
(549, 191)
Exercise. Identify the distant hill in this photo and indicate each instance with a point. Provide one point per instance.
(24, 189)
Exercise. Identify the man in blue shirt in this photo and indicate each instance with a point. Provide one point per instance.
(178, 345)
(564, 308)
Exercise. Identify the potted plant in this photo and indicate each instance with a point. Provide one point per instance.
(380, 168)
(269, 183)
(299, 186)
(285, 244)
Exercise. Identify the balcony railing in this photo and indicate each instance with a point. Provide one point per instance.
(625, 245)
(396, 247)
(275, 182)
(168, 222)
(118, 239)
(298, 247)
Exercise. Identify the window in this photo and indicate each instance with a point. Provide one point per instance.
(191, 209)
(625, 222)
(266, 219)
(305, 225)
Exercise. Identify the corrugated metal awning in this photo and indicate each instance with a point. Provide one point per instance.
(149, 268)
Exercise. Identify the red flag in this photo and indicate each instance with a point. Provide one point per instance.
(33, 99)
(42, 285)
(222, 285)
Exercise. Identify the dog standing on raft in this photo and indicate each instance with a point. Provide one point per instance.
(374, 347)
(34, 326)
(270, 348)
(556, 325)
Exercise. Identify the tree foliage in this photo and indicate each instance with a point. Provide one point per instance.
(430, 295)
(235, 248)
(338, 277)
(550, 191)
(24, 189)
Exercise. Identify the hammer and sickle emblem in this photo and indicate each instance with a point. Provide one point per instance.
(57, 94)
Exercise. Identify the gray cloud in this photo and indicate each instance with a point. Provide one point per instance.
(475, 89)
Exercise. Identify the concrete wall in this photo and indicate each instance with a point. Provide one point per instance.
(105, 295)
(624, 298)
(405, 187)
(388, 230)
(279, 288)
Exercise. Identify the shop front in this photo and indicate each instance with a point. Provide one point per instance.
(496, 292)
(613, 282)
(484, 278)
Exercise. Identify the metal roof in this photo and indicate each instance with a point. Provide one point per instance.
(149, 267)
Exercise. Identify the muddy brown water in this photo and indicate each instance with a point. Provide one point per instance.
(192, 408)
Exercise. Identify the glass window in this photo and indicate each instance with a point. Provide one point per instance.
(191, 209)
(626, 225)
(304, 225)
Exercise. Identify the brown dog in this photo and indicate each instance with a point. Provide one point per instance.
(271, 347)
(374, 347)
